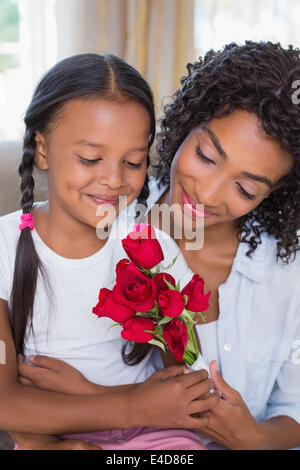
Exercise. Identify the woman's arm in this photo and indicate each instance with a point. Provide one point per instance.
(231, 424)
(280, 432)
(167, 400)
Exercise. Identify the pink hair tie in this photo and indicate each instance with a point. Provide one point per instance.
(27, 221)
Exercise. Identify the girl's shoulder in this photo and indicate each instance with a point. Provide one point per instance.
(9, 226)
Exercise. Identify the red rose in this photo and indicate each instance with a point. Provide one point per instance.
(103, 294)
(142, 247)
(176, 336)
(160, 282)
(134, 329)
(108, 307)
(122, 265)
(197, 301)
(171, 303)
(134, 289)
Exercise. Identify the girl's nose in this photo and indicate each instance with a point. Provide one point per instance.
(112, 176)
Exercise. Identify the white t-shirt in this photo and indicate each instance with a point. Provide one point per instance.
(65, 327)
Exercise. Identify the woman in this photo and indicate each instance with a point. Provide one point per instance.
(230, 141)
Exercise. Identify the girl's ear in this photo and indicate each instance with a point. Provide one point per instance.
(40, 158)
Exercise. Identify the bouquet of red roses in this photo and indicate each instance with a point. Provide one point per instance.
(148, 303)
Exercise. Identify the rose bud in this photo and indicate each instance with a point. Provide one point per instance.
(171, 303)
(160, 281)
(134, 329)
(134, 289)
(143, 248)
(197, 300)
(176, 336)
(108, 307)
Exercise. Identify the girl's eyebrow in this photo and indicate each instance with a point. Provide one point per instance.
(90, 143)
(222, 153)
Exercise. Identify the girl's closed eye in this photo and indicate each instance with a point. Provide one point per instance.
(133, 165)
(208, 161)
(88, 161)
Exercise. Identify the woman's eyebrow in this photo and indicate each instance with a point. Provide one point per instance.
(222, 153)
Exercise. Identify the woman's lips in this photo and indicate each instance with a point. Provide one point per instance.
(191, 207)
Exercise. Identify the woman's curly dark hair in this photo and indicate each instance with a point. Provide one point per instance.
(258, 78)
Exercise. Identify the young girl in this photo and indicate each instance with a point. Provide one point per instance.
(90, 125)
(230, 140)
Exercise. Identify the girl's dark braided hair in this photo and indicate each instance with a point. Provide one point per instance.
(256, 77)
(80, 76)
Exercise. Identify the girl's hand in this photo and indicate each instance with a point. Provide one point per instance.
(230, 422)
(54, 375)
(172, 399)
(45, 442)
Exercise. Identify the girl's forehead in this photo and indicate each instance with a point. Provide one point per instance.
(83, 117)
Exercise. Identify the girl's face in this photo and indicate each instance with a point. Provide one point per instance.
(94, 153)
(229, 165)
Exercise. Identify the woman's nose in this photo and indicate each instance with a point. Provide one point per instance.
(210, 192)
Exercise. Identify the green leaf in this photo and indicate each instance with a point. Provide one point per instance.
(190, 347)
(153, 270)
(178, 285)
(165, 320)
(172, 263)
(115, 324)
(142, 314)
(155, 342)
(185, 298)
(170, 286)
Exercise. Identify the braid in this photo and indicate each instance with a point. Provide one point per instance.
(145, 191)
(27, 262)
(25, 171)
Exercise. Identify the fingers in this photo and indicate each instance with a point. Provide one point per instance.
(200, 406)
(200, 389)
(24, 381)
(194, 377)
(227, 392)
(171, 371)
(47, 362)
(197, 423)
(36, 375)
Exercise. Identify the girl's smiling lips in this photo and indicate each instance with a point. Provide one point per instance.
(192, 207)
(103, 199)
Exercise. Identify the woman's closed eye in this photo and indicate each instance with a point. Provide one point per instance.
(209, 161)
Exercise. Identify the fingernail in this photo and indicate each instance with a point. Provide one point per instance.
(31, 358)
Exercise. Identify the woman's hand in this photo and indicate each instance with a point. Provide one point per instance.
(54, 375)
(230, 422)
(172, 399)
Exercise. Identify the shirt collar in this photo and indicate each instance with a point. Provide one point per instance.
(256, 267)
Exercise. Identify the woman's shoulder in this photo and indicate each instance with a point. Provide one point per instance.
(157, 189)
(264, 264)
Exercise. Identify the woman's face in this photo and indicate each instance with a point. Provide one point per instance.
(229, 165)
(95, 153)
